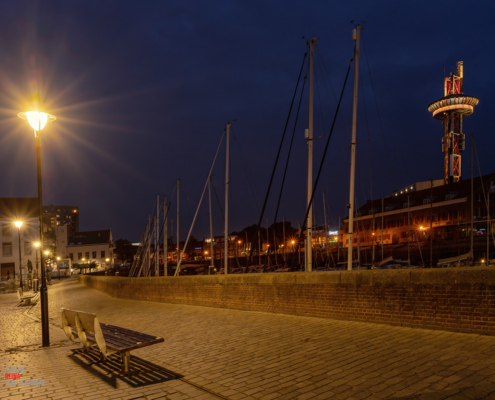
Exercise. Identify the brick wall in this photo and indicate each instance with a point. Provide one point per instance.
(455, 299)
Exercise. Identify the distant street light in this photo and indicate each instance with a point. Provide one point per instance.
(58, 267)
(38, 120)
(18, 225)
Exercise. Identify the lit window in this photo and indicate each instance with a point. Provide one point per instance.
(5, 229)
(7, 249)
(27, 248)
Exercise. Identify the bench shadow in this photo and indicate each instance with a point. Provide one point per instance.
(142, 372)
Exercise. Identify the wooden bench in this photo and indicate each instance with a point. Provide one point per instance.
(109, 338)
(26, 298)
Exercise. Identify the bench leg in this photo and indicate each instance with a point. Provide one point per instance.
(27, 302)
(126, 361)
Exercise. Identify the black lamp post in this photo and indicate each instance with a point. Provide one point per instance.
(38, 120)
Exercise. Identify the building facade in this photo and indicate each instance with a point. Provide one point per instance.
(25, 210)
(440, 210)
(61, 216)
(85, 247)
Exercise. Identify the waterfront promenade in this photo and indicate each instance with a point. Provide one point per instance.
(212, 353)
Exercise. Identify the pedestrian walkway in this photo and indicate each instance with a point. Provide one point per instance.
(212, 353)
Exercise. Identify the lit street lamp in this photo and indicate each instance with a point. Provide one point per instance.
(58, 267)
(18, 225)
(38, 120)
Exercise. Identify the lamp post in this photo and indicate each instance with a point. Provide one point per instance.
(18, 225)
(38, 120)
(36, 245)
(58, 267)
(107, 261)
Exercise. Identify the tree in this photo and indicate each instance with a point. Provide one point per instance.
(124, 250)
(92, 265)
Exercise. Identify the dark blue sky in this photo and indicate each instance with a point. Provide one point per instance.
(142, 91)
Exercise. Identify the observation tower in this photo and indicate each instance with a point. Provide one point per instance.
(451, 110)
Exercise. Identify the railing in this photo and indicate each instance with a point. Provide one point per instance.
(9, 285)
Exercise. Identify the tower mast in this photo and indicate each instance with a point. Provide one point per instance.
(451, 110)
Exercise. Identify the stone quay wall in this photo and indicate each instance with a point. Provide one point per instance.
(453, 299)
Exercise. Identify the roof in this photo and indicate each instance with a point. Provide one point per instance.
(19, 207)
(456, 190)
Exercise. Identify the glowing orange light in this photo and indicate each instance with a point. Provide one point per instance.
(37, 119)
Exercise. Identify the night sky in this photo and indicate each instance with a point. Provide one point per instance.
(142, 92)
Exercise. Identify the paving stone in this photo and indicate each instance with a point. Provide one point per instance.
(243, 355)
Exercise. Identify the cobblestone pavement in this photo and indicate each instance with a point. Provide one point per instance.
(212, 353)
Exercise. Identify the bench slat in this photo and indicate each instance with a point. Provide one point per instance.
(122, 344)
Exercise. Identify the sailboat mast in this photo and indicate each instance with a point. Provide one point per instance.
(382, 228)
(338, 245)
(157, 246)
(472, 201)
(326, 227)
(408, 235)
(356, 33)
(165, 237)
(178, 212)
(226, 232)
(285, 244)
(212, 263)
(309, 222)
(373, 256)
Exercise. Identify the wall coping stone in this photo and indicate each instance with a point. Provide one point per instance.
(483, 276)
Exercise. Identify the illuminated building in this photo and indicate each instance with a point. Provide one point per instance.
(448, 207)
(451, 110)
(61, 215)
(27, 210)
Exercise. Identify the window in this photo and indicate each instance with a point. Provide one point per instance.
(27, 248)
(5, 229)
(87, 255)
(103, 254)
(94, 254)
(79, 256)
(7, 249)
(71, 256)
(426, 201)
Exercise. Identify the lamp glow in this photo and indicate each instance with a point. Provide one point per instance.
(18, 224)
(47, 252)
(37, 244)
(37, 119)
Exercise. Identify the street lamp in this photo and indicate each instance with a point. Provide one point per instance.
(38, 120)
(58, 267)
(18, 225)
